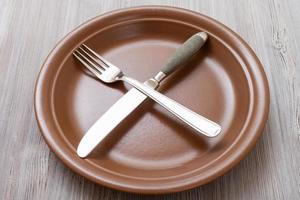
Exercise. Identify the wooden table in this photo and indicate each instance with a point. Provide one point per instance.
(30, 29)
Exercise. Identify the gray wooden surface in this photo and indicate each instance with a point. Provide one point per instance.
(30, 29)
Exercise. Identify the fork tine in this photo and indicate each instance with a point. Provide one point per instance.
(103, 60)
(92, 56)
(99, 63)
(87, 63)
(89, 59)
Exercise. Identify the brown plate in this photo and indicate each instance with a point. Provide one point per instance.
(151, 151)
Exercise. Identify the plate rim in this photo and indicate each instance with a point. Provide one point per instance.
(60, 152)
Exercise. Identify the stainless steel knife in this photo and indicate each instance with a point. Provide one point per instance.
(133, 98)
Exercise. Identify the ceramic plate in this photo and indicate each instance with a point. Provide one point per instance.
(152, 151)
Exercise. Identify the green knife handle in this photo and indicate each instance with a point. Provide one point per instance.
(184, 52)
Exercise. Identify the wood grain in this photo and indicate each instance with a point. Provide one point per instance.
(30, 29)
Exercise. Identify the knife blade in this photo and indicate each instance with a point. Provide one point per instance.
(133, 98)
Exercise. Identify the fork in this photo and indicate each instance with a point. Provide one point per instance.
(109, 73)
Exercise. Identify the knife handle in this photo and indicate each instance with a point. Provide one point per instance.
(184, 52)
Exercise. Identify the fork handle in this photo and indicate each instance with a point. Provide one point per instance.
(196, 121)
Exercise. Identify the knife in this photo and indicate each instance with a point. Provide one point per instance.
(133, 98)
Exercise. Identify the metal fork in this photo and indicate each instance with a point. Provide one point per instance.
(109, 73)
